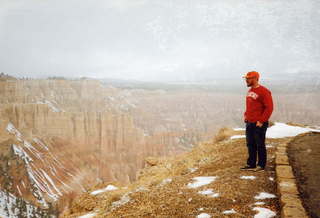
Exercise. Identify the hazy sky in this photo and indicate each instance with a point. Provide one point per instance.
(158, 39)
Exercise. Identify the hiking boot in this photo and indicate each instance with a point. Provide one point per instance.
(258, 168)
(247, 167)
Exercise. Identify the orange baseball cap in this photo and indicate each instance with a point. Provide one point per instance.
(252, 74)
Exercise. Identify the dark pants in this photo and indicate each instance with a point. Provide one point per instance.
(255, 137)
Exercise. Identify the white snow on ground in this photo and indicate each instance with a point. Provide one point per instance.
(11, 129)
(165, 181)
(39, 142)
(141, 188)
(21, 153)
(239, 129)
(229, 211)
(7, 204)
(8, 207)
(203, 215)
(209, 192)
(264, 195)
(191, 169)
(51, 182)
(32, 149)
(271, 178)
(269, 146)
(237, 136)
(88, 215)
(281, 130)
(108, 188)
(248, 177)
(123, 200)
(259, 203)
(39, 178)
(201, 180)
(263, 213)
(50, 105)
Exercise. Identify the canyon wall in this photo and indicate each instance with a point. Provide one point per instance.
(64, 136)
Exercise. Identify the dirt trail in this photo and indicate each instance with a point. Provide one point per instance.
(304, 156)
(153, 196)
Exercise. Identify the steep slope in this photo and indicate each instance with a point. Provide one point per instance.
(12, 206)
(43, 169)
(32, 178)
(204, 182)
(63, 135)
(78, 113)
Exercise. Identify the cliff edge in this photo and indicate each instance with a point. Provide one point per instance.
(205, 182)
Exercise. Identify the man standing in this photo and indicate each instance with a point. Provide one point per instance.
(259, 107)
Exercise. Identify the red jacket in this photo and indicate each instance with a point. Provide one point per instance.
(259, 104)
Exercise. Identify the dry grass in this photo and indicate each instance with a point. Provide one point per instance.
(271, 123)
(222, 158)
(225, 133)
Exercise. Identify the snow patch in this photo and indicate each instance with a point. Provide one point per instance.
(237, 136)
(269, 146)
(232, 211)
(39, 142)
(123, 200)
(281, 130)
(248, 177)
(263, 212)
(239, 129)
(21, 153)
(11, 129)
(264, 195)
(141, 188)
(165, 181)
(259, 203)
(53, 107)
(88, 215)
(108, 188)
(32, 149)
(201, 180)
(9, 207)
(191, 169)
(209, 193)
(203, 215)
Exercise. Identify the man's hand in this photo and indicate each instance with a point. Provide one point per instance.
(259, 124)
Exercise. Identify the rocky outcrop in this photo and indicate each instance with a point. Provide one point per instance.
(64, 136)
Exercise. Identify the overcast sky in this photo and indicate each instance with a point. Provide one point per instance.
(176, 40)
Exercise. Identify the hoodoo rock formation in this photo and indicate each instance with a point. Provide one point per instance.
(59, 136)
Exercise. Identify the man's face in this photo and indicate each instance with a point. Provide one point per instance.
(251, 81)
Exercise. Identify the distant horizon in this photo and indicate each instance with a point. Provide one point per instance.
(214, 78)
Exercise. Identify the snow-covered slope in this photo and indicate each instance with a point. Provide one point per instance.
(33, 178)
(14, 207)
